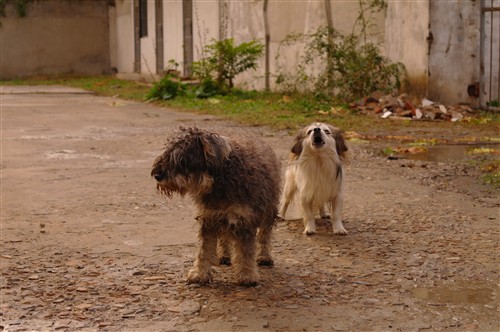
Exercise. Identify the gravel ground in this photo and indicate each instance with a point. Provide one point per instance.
(87, 244)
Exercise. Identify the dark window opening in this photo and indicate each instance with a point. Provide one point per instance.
(143, 18)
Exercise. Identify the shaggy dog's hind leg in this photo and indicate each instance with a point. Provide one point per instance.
(202, 270)
(264, 239)
(223, 249)
(244, 261)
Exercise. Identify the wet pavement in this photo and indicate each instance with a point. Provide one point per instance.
(88, 245)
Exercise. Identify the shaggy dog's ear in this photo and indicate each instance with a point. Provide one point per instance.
(215, 148)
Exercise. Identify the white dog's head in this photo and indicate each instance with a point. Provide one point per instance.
(318, 136)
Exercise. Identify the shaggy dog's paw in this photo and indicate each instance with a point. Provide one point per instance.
(195, 277)
(225, 260)
(265, 261)
(248, 282)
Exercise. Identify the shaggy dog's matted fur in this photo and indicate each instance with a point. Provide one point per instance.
(315, 173)
(234, 183)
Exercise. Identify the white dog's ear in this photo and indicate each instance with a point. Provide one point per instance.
(298, 142)
(340, 143)
(215, 148)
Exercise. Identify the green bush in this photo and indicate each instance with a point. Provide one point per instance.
(222, 61)
(352, 69)
(166, 89)
(206, 89)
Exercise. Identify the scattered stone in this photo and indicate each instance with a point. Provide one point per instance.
(402, 108)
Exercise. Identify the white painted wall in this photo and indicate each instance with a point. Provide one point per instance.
(406, 32)
(402, 31)
(205, 25)
(56, 37)
(148, 45)
(454, 53)
(124, 31)
(173, 33)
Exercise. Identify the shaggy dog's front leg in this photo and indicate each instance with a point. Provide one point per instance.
(202, 270)
(244, 261)
(264, 239)
(223, 249)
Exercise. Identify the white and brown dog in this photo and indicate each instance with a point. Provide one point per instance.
(315, 173)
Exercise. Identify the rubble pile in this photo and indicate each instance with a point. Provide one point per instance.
(388, 106)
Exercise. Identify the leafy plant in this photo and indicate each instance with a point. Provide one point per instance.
(20, 6)
(223, 60)
(354, 69)
(346, 67)
(493, 103)
(165, 89)
(206, 89)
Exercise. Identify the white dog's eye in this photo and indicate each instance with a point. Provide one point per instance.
(327, 132)
(309, 131)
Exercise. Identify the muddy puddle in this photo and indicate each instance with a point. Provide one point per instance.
(441, 153)
(461, 292)
(446, 153)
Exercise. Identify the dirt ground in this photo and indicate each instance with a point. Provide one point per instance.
(87, 244)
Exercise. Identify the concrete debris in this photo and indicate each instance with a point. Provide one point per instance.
(401, 107)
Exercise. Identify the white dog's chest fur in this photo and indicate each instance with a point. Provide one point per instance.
(318, 177)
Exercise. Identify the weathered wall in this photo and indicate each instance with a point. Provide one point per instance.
(56, 37)
(246, 22)
(454, 52)
(205, 25)
(122, 27)
(148, 44)
(437, 41)
(172, 33)
(406, 33)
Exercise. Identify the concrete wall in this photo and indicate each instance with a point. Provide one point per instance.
(437, 41)
(406, 33)
(172, 33)
(246, 22)
(148, 44)
(56, 37)
(205, 25)
(122, 27)
(454, 52)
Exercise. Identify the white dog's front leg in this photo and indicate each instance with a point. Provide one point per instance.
(309, 223)
(338, 228)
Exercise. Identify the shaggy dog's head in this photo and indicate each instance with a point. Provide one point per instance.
(318, 136)
(190, 156)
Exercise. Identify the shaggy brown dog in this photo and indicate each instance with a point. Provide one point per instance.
(234, 183)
